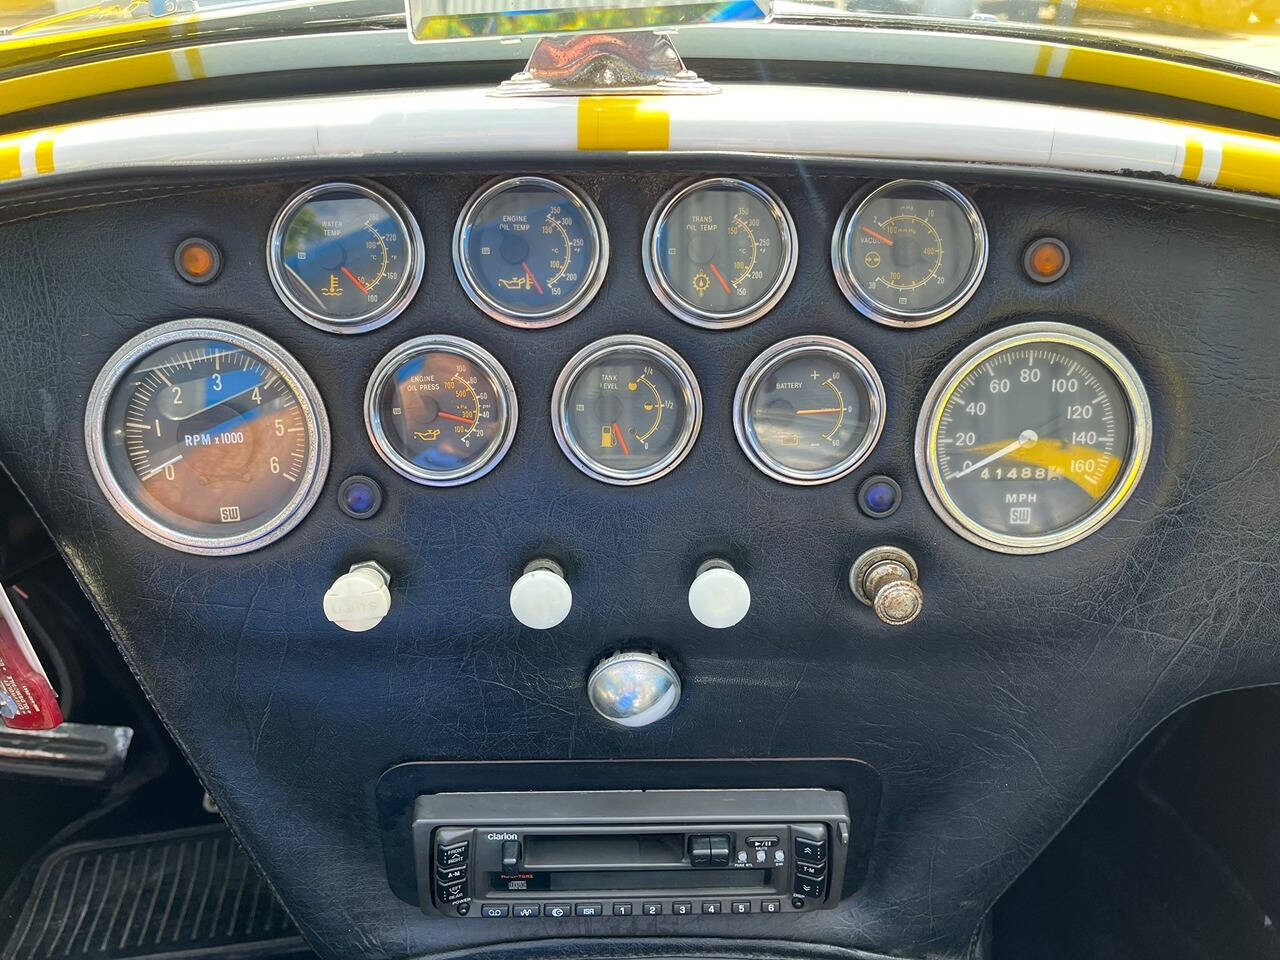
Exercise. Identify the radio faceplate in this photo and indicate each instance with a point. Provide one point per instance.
(630, 852)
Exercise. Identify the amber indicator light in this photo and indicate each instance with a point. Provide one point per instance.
(1046, 260)
(197, 260)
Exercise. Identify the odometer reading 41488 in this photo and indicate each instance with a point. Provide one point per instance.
(1033, 437)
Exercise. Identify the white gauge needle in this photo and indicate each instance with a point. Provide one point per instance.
(168, 463)
(1025, 439)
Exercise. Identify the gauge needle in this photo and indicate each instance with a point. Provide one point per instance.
(806, 413)
(1025, 439)
(617, 432)
(454, 416)
(879, 236)
(152, 472)
(356, 280)
(719, 277)
(532, 279)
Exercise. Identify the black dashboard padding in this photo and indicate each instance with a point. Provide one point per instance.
(990, 719)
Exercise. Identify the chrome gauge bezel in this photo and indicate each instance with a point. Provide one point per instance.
(870, 306)
(709, 319)
(592, 222)
(974, 356)
(392, 306)
(785, 350)
(680, 372)
(479, 356)
(280, 361)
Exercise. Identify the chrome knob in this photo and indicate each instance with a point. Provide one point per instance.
(633, 688)
(887, 580)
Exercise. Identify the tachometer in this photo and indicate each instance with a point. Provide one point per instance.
(345, 257)
(910, 252)
(1033, 437)
(440, 410)
(720, 252)
(626, 409)
(809, 410)
(207, 437)
(530, 252)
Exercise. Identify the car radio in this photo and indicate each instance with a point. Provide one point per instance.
(630, 852)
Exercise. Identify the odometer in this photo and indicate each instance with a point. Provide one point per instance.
(1033, 437)
(207, 437)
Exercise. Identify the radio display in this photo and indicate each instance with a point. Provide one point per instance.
(624, 880)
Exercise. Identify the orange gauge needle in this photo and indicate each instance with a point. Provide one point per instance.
(356, 280)
(454, 416)
(532, 279)
(617, 432)
(806, 413)
(719, 277)
(879, 236)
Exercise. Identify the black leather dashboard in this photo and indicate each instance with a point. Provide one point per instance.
(989, 720)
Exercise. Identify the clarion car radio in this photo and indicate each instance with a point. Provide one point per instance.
(630, 852)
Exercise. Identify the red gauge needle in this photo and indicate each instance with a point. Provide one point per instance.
(805, 413)
(879, 236)
(719, 277)
(356, 280)
(532, 279)
(617, 432)
(454, 416)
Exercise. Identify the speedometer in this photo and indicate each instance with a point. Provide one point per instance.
(1033, 437)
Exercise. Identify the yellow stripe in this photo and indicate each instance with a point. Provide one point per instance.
(10, 168)
(195, 64)
(44, 156)
(622, 123)
(1193, 159)
(1250, 163)
(1042, 60)
(86, 80)
(1182, 80)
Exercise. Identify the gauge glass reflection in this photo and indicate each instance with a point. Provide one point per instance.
(910, 253)
(441, 410)
(809, 410)
(345, 258)
(627, 410)
(1034, 437)
(209, 440)
(530, 252)
(720, 252)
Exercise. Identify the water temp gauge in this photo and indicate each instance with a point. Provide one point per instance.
(626, 409)
(440, 410)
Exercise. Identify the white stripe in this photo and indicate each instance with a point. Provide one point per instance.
(1057, 62)
(1211, 165)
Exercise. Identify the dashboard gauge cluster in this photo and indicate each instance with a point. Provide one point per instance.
(626, 410)
(720, 253)
(909, 253)
(530, 252)
(1033, 437)
(207, 437)
(440, 410)
(345, 257)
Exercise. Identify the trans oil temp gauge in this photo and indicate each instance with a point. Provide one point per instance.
(345, 257)
(1033, 437)
(207, 437)
(626, 409)
(720, 252)
(530, 251)
(440, 410)
(909, 253)
(809, 410)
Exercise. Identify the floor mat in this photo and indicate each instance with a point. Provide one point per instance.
(189, 894)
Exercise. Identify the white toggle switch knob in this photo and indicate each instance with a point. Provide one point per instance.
(541, 598)
(359, 599)
(718, 596)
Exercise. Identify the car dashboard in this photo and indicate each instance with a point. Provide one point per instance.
(883, 502)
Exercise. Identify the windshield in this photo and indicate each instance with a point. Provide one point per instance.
(1239, 32)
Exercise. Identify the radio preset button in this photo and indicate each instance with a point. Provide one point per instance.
(770, 906)
(622, 909)
(651, 909)
(589, 910)
(557, 911)
(740, 906)
(495, 910)
(711, 906)
(525, 910)
(682, 908)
